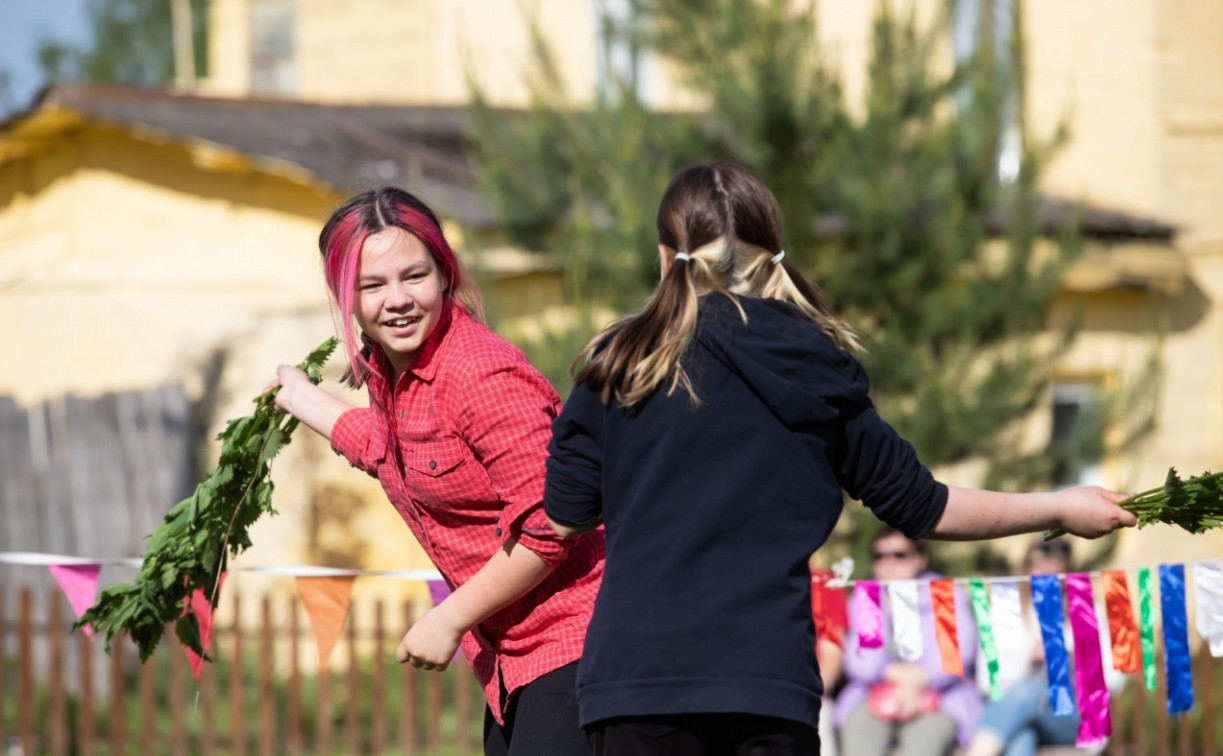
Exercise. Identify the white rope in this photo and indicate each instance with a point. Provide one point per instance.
(29, 558)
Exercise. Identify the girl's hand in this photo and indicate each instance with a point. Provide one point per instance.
(1091, 511)
(290, 380)
(430, 643)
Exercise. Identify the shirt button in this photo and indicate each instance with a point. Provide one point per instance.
(433, 464)
(497, 531)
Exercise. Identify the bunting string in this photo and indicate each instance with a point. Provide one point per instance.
(995, 602)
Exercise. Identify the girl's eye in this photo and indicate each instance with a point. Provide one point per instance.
(369, 286)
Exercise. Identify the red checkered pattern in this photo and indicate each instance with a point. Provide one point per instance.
(470, 421)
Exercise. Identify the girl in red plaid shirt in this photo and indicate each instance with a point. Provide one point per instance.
(457, 432)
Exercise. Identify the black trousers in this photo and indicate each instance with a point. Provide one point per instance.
(541, 721)
(703, 735)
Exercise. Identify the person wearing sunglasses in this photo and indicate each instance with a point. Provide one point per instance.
(905, 708)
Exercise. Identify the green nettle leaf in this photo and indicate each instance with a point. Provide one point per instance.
(191, 548)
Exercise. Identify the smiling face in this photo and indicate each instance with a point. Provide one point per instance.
(399, 296)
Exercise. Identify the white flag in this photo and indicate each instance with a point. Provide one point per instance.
(906, 622)
(1208, 588)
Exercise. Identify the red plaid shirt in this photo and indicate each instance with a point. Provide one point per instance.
(470, 423)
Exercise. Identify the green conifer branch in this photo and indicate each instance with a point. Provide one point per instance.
(191, 548)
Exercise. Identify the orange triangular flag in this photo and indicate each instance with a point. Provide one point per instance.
(326, 601)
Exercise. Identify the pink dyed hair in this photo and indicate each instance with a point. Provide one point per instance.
(340, 243)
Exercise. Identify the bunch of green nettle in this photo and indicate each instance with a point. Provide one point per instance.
(190, 550)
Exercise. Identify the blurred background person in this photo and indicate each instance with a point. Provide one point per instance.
(905, 708)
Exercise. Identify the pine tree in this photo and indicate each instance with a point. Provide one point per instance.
(132, 43)
(899, 212)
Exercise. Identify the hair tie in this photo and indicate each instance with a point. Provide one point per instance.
(682, 256)
(779, 257)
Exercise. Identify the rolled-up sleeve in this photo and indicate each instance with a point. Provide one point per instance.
(881, 469)
(506, 418)
(353, 438)
(573, 494)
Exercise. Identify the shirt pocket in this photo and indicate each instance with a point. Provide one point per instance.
(444, 474)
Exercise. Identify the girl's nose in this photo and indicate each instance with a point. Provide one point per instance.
(398, 295)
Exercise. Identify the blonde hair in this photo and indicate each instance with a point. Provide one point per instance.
(723, 227)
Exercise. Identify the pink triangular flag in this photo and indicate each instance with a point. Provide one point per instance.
(438, 591)
(79, 583)
(326, 602)
(199, 605)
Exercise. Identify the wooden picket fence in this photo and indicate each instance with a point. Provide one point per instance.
(60, 695)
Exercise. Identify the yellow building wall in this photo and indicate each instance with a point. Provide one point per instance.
(411, 51)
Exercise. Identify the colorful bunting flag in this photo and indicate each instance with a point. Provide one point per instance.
(1146, 627)
(1047, 602)
(1208, 588)
(79, 582)
(326, 602)
(1095, 724)
(868, 615)
(1177, 674)
(438, 591)
(199, 604)
(828, 609)
(1006, 614)
(943, 603)
(1122, 630)
(906, 622)
(985, 632)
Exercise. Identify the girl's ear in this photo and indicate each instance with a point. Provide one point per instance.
(664, 259)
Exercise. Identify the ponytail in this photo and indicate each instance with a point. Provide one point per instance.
(722, 226)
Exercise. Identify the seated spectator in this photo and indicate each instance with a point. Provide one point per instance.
(906, 708)
(1022, 720)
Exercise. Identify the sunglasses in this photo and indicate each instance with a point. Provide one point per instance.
(1056, 548)
(881, 555)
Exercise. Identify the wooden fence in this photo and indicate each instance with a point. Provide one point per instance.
(242, 704)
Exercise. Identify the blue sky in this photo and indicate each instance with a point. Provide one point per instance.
(23, 24)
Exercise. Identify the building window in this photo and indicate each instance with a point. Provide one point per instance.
(1076, 438)
(273, 73)
(623, 60)
(980, 25)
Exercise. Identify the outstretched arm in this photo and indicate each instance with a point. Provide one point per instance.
(511, 572)
(307, 402)
(973, 513)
